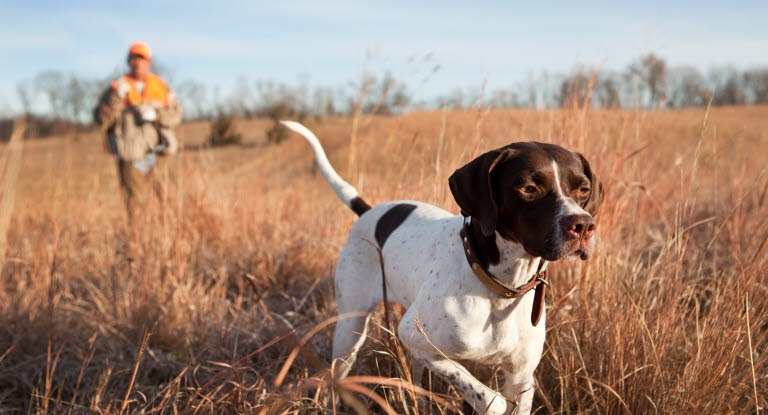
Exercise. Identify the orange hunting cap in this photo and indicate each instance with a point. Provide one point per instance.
(140, 48)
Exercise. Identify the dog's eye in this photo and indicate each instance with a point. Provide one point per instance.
(528, 190)
(584, 190)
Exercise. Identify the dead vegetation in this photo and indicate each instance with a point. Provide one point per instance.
(202, 307)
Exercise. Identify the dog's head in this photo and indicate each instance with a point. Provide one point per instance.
(540, 195)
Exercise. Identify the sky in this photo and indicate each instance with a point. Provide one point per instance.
(331, 43)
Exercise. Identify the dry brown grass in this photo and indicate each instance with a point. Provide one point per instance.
(233, 266)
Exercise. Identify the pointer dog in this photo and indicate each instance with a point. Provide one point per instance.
(523, 205)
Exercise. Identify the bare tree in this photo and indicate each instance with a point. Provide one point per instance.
(575, 90)
(647, 82)
(652, 71)
(756, 84)
(454, 100)
(386, 97)
(25, 94)
(323, 102)
(502, 98)
(163, 70)
(607, 92)
(74, 97)
(193, 96)
(728, 87)
(687, 88)
(51, 84)
(241, 101)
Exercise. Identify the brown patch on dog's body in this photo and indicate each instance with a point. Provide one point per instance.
(359, 206)
(390, 221)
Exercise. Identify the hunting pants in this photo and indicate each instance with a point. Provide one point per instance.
(137, 187)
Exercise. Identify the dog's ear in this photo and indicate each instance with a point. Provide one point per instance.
(595, 200)
(473, 189)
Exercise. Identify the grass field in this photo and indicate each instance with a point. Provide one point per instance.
(199, 306)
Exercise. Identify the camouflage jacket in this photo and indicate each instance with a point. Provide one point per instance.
(129, 133)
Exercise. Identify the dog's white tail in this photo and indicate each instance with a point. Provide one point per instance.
(343, 190)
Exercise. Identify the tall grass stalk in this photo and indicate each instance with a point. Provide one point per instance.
(233, 267)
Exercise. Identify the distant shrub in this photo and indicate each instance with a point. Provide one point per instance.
(277, 133)
(223, 132)
(41, 126)
(276, 113)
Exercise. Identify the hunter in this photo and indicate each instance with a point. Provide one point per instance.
(137, 115)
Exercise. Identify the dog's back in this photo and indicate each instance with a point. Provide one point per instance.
(405, 232)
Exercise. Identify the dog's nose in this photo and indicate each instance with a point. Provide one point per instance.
(579, 226)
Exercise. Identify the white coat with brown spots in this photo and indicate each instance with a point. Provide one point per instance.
(529, 202)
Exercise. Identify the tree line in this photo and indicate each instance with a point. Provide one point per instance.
(52, 98)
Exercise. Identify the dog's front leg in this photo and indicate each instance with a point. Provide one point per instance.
(482, 398)
(519, 387)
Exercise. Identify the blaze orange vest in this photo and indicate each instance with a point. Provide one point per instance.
(154, 90)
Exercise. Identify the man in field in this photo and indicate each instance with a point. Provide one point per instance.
(137, 114)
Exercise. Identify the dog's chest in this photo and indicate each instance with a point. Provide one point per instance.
(466, 323)
(427, 272)
(494, 330)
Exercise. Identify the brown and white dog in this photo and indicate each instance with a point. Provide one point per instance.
(529, 203)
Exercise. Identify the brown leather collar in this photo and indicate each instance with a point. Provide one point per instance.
(538, 282)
